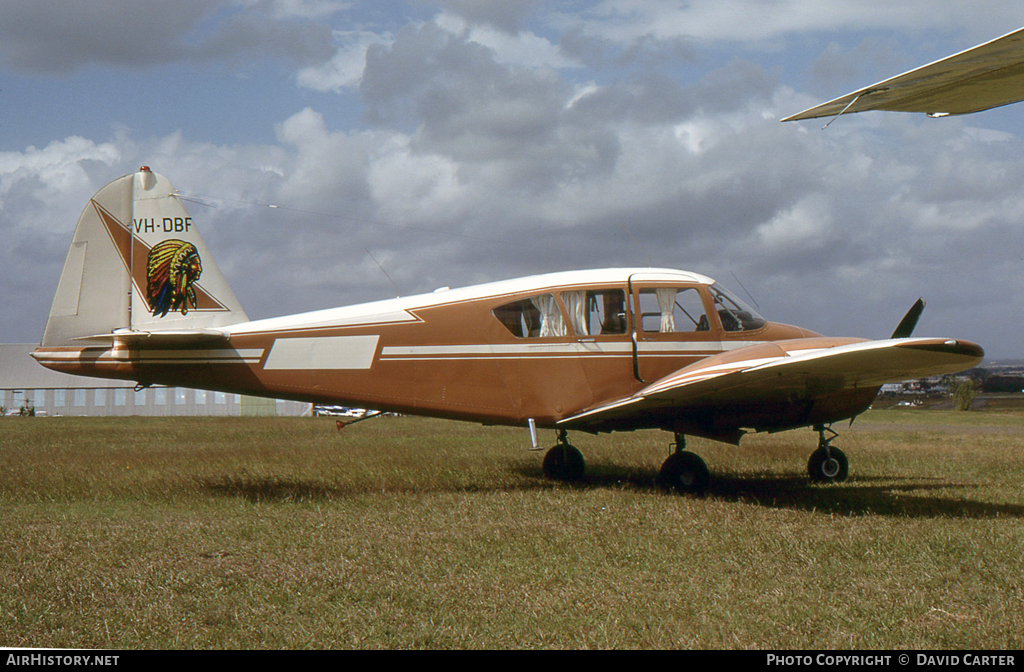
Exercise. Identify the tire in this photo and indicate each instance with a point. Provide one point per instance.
(828, 466)
(564, 463)
(685, 473)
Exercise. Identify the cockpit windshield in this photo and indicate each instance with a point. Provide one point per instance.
(734, 313)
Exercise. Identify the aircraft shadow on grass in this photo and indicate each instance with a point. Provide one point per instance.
(885, 496)
(858, 496)
(268, 489)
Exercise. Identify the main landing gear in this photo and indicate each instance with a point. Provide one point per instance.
(564, 462)
(684, 472)
(827, 464)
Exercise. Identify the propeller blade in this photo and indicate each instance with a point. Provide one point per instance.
(909, 321)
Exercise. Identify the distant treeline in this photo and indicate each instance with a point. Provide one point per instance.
(1002, 382)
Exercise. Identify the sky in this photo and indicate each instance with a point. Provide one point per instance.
(414, 144)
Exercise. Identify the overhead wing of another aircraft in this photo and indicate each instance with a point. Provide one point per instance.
(986, 76)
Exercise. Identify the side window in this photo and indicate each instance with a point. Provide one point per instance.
(670, 310)
(597, 312)
(536, 317)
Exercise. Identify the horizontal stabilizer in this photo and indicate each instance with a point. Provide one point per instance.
(133, 338)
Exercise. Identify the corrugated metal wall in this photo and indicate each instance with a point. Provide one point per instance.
(24, 383)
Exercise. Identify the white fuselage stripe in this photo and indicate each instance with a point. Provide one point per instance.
(584, 348)
(222, 356)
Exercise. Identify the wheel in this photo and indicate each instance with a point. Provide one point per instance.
(564, 463)
(686, 473)
(828, 466)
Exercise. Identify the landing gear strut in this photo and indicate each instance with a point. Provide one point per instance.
(564, 462)
(684, 472)
(827, 464)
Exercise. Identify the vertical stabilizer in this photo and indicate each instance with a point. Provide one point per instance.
(138, 263)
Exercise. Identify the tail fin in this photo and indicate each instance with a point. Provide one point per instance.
(137, 263)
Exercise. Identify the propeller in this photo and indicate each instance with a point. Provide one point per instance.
(909, 321)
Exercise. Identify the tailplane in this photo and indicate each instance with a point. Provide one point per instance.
(137, 264)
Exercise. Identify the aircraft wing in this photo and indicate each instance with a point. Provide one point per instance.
(980, 78)
(751, 382)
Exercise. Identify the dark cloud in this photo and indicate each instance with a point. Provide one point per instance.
(837, 70)
(254, 36)
(736, 85)
(643, 52)
(53, 36)
(467, 106)
(647, 97)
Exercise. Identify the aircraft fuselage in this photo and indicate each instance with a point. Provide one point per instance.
(467, 354)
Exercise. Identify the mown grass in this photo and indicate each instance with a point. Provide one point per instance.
(245, 533)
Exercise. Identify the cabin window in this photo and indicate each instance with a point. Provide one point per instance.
(733, 312)
(596, 313)
(667, 310)
(536, 317)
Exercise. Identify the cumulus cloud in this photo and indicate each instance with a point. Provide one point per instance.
(506, 16)
(56, 176)
(41, 191)
(346, 66)
(626, 21)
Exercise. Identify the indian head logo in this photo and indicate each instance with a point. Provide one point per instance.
(172, 270)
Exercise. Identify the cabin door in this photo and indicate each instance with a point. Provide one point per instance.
(671, 329)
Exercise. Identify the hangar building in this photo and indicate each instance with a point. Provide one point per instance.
(26, 384)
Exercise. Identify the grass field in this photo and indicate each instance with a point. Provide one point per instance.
(403, 532)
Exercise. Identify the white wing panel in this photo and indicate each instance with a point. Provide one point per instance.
(788, 372)
(986, 76)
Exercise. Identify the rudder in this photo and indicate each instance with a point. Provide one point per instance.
(138, 263)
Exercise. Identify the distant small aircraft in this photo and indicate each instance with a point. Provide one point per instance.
(980, 78)
(593, 351)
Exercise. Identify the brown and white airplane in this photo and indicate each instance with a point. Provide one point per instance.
(594, 351)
